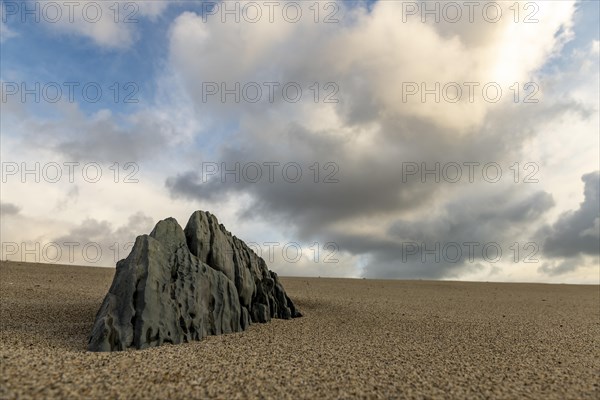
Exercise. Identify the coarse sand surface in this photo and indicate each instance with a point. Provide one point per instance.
(357, 339)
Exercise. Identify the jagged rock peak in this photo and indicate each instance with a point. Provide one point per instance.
(179, 285)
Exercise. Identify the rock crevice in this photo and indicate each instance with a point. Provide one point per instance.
(179, 285)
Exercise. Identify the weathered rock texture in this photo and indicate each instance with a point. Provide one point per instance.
(180, 285)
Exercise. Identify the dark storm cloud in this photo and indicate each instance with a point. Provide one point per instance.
(577, 232)
(98, 243)
(483, 217)
(465, 235)
(7, 209)
(370, 180)
(363, 185)
(104, 141)
(190, 185)
(100, 137)
(111, 145)
(92, 230)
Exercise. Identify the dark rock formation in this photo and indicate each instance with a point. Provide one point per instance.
(180, 285)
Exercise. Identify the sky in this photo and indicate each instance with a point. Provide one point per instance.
(365, 139)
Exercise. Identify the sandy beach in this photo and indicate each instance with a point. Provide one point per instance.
(357, 339)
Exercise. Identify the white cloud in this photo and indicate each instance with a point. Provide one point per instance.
(374, 48)
(110, 24)
(5, 32)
